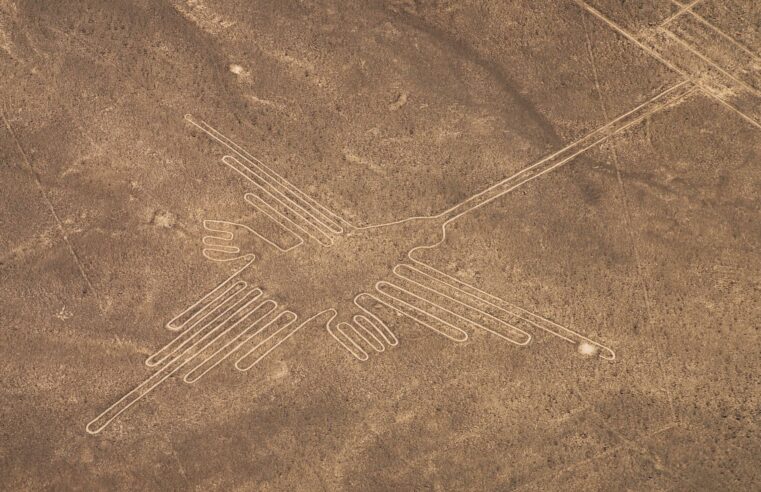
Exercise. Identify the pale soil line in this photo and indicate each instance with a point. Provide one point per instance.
(251, 305)
(53, 212)
(739, 113)
(670, 96)
(658, 57)
(630, 37)
(726, 36)
(293, 197)
(682, 10)
(695, 52)
(666, 98)
(629, 227)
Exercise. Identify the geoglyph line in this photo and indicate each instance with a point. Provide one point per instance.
(479, 296)
(423, 311)
(299, 201)
(265, 307)
(431, 312)
(274, 340)
(458, 297)
(472, 316)
(364, 325)
(709, 79)
(710, 62)
(286, 219)
(230, 347)
(196, 309)
(222, 306)
(683, 9)
(281, 204)
(232, 314)
(662, 100)
(726, 36)
(47, 201)
(460, 309)
(220, 239)
(368, 323)
(596, 13)
(370, 318)
(354, 348)
(257, 170)
(721, 95)
(249, 308)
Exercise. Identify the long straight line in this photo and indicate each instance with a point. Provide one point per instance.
(630, 231)
(660, 58)
(737, 111)
(726, 36)
(556, 159)
(682, 10)
(53, 212)
(712, 63)
(630, 37)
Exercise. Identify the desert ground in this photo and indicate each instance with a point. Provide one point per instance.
(386, 245)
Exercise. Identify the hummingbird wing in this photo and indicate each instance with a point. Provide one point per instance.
(233, 318)
(479, 309)
(276, 197)
(451, 308)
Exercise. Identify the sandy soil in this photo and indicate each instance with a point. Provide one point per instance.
(550, 211)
